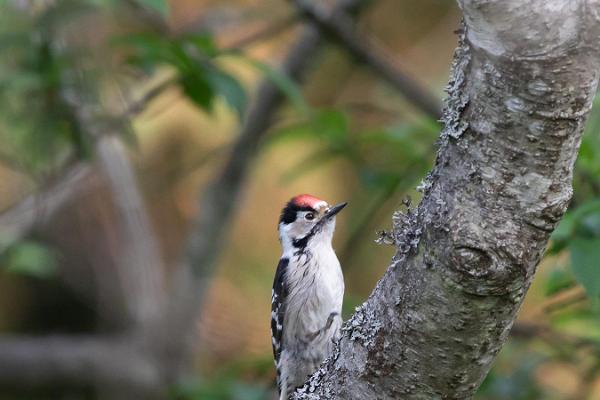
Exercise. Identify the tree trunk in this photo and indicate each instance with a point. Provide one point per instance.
(523, 79)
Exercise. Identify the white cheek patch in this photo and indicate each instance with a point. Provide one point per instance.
(295, 229)
(286, 241)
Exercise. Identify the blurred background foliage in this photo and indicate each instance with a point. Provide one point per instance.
(175, 80)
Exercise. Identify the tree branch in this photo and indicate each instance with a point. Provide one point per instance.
(502, 181)
(263, 33)
(530, 330)
(78, 361)
(140, 259)
(35, 209)
(341, 29)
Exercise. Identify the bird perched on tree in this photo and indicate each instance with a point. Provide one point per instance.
(306, 301)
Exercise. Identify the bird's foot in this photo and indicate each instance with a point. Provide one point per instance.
(328, 324)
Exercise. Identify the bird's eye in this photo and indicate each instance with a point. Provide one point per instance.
(309, 216)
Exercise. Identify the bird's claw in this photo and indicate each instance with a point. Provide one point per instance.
(325, 328)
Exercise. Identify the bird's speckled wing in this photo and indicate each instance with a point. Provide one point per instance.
(278, 300)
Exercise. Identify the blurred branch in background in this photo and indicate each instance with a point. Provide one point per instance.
(35, 209)
(341, 29)
(141, 262)
(531, 331)
(76, 360)
(561, 300)
(266, 32)
(140, 269)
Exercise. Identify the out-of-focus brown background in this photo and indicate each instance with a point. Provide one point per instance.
(364, 141)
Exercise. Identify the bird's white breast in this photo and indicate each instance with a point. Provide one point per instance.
(316, 289)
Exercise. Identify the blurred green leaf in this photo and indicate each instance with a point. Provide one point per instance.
(330, 124)
(558, 280)
(308, 164)
(13, 40)
(62, 12)
(562, 234)
(198, 89)
(585, 261)
(330, 127)
(204, 43)
(326, 124)
(579, 322)
(515, 384)
(102, 3)
(590, 225)
(147, 49)
(286, 85)
(373, 178)
(160, 6)
(30, 258)
(586, 209)
(35, 124)
(291, 132)
(584, 221)
(229, 88)
(225, 388)
(191, 56)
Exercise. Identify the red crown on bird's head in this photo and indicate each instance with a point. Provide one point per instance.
(307, 200)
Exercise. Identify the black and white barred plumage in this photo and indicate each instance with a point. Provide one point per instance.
(307, 291)
(278, 297)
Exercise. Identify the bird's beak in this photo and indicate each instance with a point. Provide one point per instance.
(334, 210)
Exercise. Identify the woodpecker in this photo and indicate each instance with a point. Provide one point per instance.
(306, 301)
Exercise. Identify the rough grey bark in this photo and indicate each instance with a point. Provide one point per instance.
(522, 84)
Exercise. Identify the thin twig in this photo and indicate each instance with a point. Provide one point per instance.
(139, 105)
(340, 27)
(562, 300)
(532, 330)
(263, 33)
